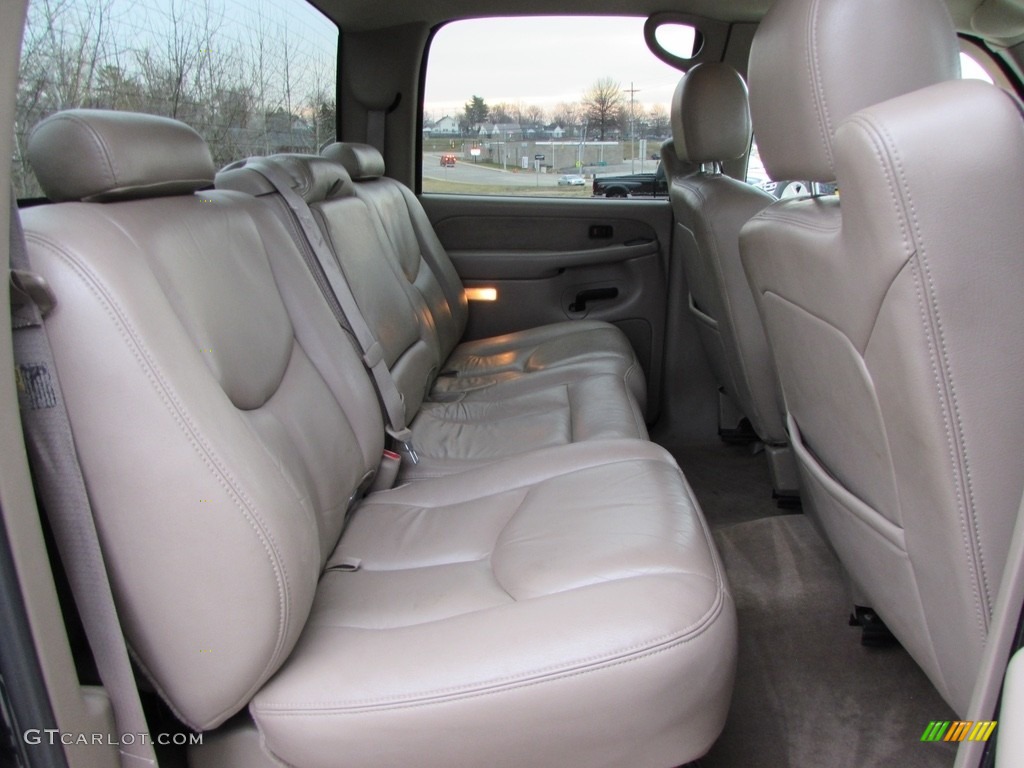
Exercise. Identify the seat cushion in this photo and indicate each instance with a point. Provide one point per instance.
(503, 396)
(586, 346)
(563, 594)
(495, 421)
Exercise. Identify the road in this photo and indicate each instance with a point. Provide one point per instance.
(466, 172)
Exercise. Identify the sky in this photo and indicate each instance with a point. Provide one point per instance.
(232, 17)
(547, 60)
(541, 61)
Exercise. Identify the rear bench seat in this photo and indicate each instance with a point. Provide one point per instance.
(574, 343)
(550, 386)
(561, 607)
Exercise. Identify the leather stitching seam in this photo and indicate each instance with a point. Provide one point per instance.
(946, 390)
(203, 450)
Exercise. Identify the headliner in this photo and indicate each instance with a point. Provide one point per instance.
(375, 14)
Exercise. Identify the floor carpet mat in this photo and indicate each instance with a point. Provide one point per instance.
(807, 692)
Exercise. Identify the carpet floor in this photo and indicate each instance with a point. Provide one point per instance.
(807, 694)
(731, 483)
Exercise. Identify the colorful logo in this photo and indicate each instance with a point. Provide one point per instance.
(958, 730)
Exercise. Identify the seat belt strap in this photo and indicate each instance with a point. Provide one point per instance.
(373, 354)
(428, 250)
(61, 487)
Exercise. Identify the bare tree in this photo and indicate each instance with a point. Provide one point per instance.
(657, 122)
(568, 114)
(321, 103)
(518, 113)
(77, 49)
(248, 85)
(260, 72)
(181, 59)
(602, 103)
(535, 115)
(623, 120)
(502, 112)
(66, 50)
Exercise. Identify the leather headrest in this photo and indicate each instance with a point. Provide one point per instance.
(315, 178)
(675, 167)
(362, 161)
(99, 155)
(710, 114)
(813, 63)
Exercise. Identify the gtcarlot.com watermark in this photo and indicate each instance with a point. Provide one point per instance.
(35, 736)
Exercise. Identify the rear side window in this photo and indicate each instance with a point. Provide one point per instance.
(251, 78)
(543, 105)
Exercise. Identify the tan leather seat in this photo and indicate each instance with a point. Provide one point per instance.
(893, 309)
(711, 124)
(564, 607)
(507, 412)
(426, 264)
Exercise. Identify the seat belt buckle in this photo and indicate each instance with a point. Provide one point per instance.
(402, 439)
(387, 472)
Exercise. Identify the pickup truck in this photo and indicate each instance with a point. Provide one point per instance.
(656, 185)
(633, 185)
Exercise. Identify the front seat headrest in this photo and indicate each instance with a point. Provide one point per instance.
(710, 115)
(813, 63)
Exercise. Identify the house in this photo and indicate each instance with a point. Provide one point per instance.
(501, 131)
(446, 126)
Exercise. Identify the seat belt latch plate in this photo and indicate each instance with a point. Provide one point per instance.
(29, 288)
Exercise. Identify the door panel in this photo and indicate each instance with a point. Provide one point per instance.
(616, 293)
(532, 265)
(552, 260)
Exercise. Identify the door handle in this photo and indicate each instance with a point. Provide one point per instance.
(592, 294)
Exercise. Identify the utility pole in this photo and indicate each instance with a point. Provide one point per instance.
(583, 145)
(632, 127)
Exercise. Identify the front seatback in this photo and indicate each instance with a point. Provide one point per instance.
(711, 124)
(423, 260)
(220, 443)
(893, 309)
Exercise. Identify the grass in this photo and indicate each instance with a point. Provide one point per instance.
(459, 188)
(444, 145)
(629, 149)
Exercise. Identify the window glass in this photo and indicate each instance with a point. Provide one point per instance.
(251, 78)
(970, 69)
(677, 39)
(756, 174)
(758, 177)
(543, 105)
